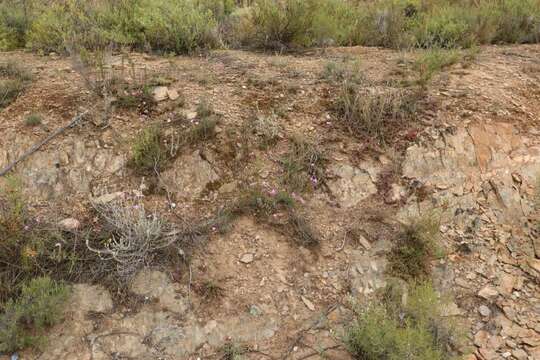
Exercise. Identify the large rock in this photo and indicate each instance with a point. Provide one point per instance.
(90, 298)
(70, 167)
(353, 184)
(479, 165)
(189, 176)
(155, 284)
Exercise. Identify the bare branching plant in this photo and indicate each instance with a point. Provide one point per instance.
(136, 237)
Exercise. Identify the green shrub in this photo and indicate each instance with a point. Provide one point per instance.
(434, 60)
(39, 305)
(517, 21)
(178, 26)
(385, 23)
(33, 120)
(446, 27)
(13, 25)
(394, 329)
(148, 151)
(49, 31)
(14, 81)
(415, 247)
(279, 24)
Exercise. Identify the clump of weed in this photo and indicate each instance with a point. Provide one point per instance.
(203, 130)
(233, 351)
(374, 113)
(434, 60)
(403, 324)
(204, 108)
(15, 80)
(28, 248)
(266, 128)
(337, 72)
(33, 120)
(148, 151)
(278, 209)
(124, 86)
(39, 305)
(262, 203)
(303, 165)
(12, 70)
(210, 290)
(415, 247)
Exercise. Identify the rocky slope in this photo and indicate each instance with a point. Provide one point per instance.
(473, 157)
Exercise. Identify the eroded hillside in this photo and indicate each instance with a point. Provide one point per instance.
(276, 277)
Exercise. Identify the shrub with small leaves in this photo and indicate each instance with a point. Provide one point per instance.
(415, 247)
(148, 150)
(39, 305)
(404, 324)
(13, 81)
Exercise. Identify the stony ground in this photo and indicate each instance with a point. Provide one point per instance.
(472, 156)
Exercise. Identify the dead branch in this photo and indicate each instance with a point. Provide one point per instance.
(37, 146)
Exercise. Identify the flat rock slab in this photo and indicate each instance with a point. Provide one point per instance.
(352, 184)
(189, 176)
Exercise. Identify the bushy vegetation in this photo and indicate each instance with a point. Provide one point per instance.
(183, 26)
(22, 320)
(403, 324)
(13, 81)
(415, 247)
(375, 113)
(148, 150)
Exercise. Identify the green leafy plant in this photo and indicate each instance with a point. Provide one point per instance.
(404, 324)
(414, 248)
(39, 305)
(148, 151)
(13, 81)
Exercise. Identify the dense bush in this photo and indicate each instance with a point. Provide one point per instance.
(39, 305)
(414, 249)
(177, 26)
(13, 26)
(403, 325)
(148, 150)
(182, 26)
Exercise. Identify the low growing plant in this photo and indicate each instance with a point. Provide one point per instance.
(148, 151)
(13, 81)
(415, 247)
(404, 324)
(39, 305)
